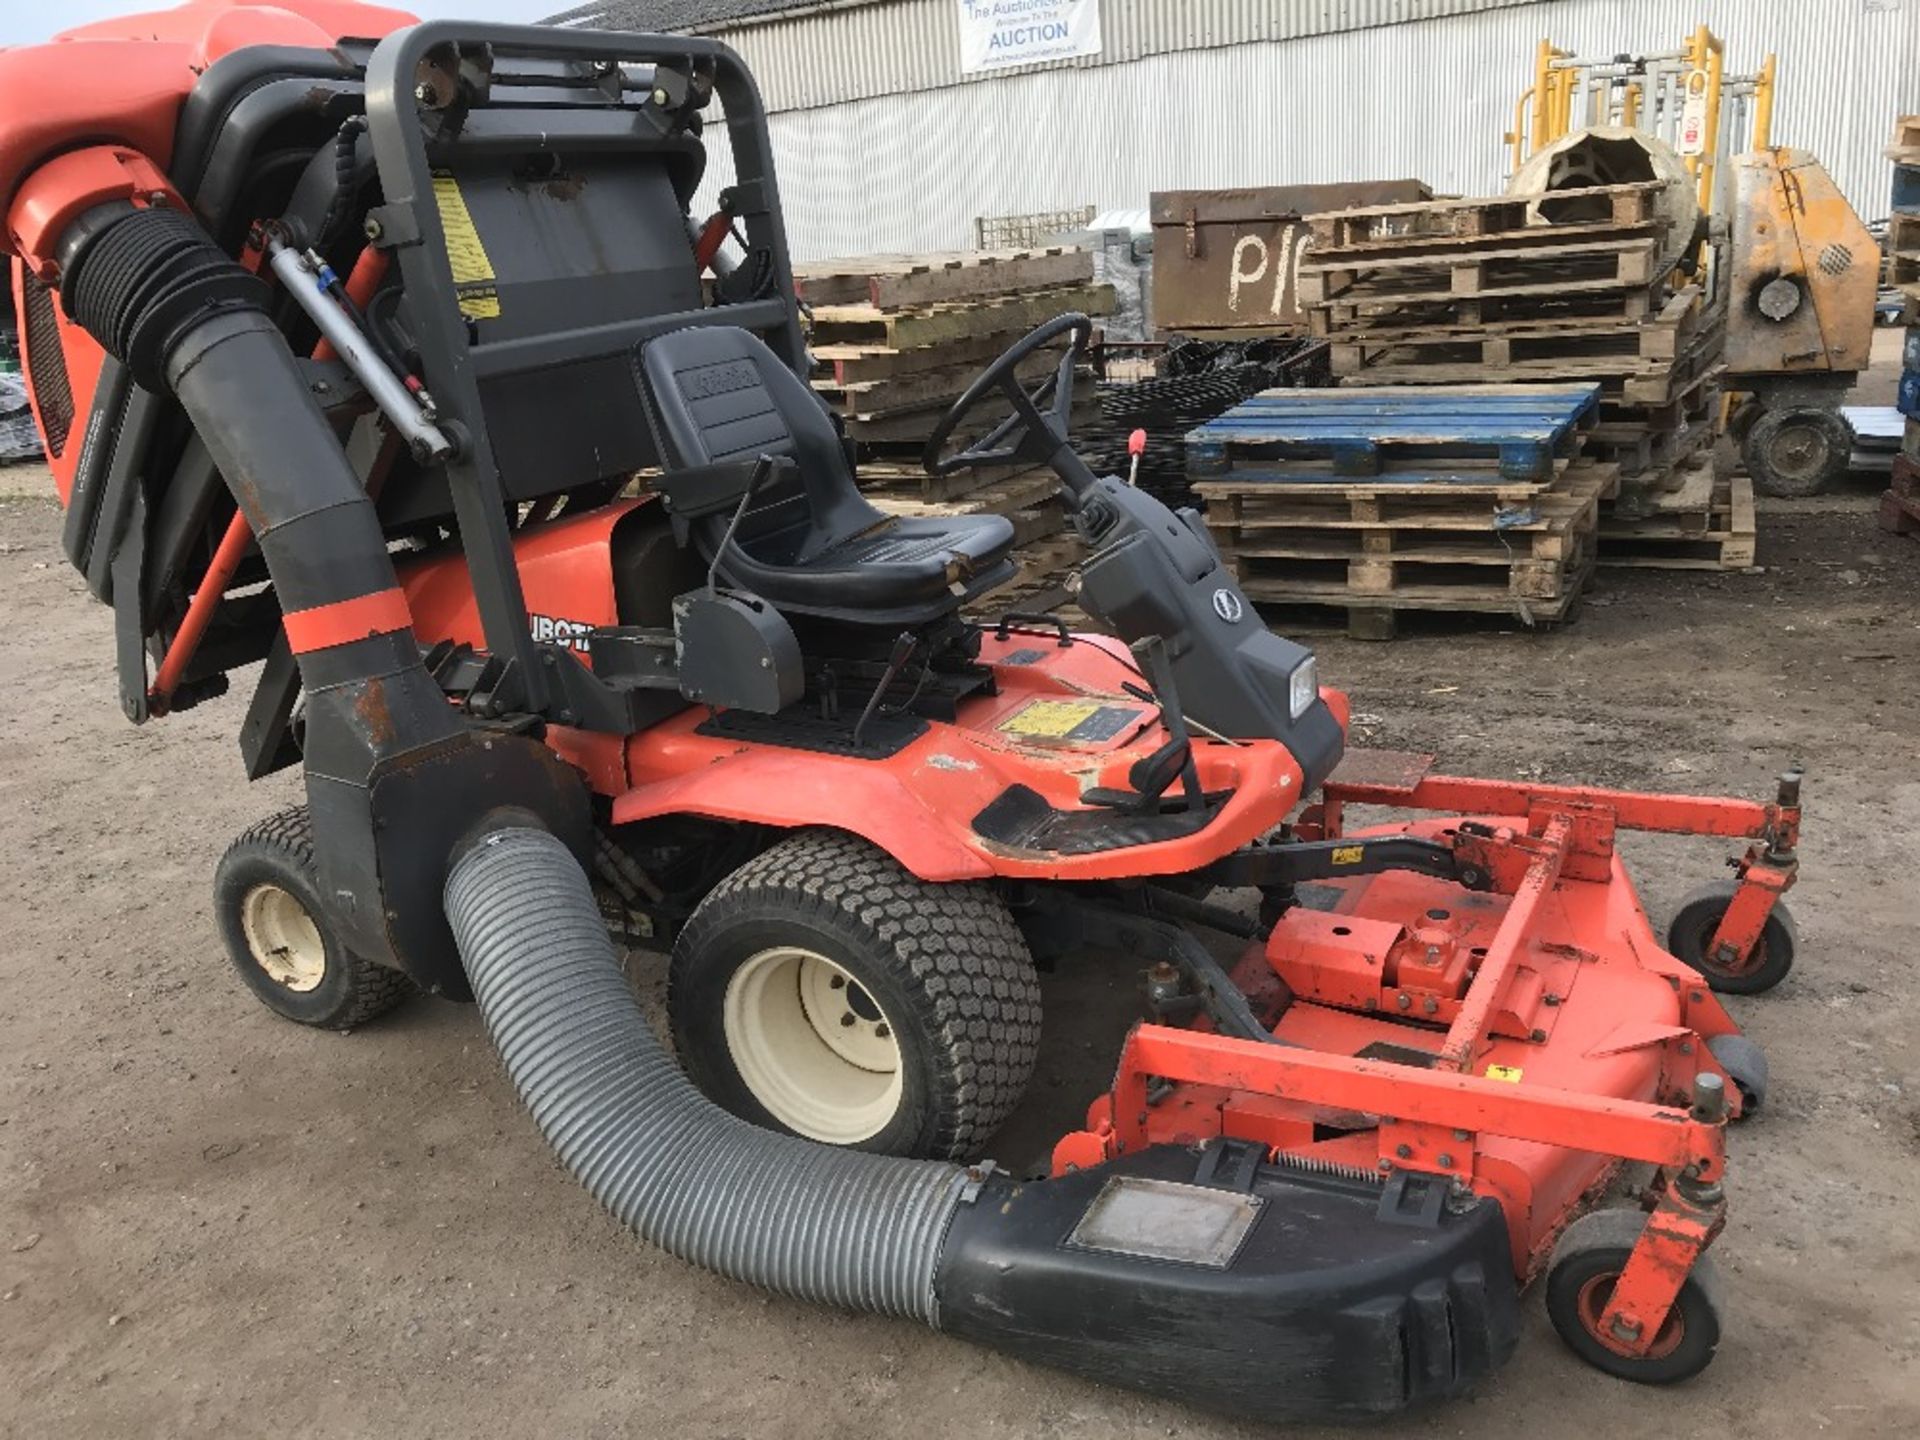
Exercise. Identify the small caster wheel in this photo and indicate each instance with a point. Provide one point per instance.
(1746, 1063)
(1699, 916)
(266, 895)
(1587, 1264)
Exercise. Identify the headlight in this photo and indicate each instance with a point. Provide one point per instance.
(1303, 687)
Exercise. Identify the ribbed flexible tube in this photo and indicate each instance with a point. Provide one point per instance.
(838, 1227)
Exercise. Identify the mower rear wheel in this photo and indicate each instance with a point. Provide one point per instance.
(822, 990)
(266, 894)
(1692, 930)
(1588, 1262)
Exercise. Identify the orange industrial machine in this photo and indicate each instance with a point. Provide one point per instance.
(347, 336)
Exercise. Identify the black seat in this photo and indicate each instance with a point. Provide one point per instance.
(809, 542)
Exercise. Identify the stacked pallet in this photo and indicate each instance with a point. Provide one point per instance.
(1483, 291)
(1462, 499)
(897, 339)
(1900, 505)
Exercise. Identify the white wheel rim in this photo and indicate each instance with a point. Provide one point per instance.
(282, 938)
(813, 1046)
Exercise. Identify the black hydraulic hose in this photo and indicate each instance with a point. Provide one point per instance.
(839, 1227)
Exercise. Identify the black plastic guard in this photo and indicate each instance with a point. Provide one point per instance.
(1338, 1299)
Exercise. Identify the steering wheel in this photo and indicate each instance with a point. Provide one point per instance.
(1038, 426)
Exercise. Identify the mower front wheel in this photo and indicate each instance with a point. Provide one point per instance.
(1588, 1262)
(266, 895)
(822, 990)
(1695, 923)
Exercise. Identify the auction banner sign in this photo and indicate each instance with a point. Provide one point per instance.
(998, 33)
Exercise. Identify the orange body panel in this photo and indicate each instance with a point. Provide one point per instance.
(919, 805)
(122, 81)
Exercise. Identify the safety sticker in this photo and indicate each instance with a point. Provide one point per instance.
(1086, 721)
(473, 278)
(1349, 854)
(1509, 1073)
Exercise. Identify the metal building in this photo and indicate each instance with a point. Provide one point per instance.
(885, 145)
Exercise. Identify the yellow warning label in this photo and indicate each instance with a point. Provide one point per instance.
(1349, 854)
(473, 278)
(1050, 719)
(1510, 1073)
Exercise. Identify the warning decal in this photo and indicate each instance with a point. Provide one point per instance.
(473, 279)
(1509, 1073)
(1083, 720)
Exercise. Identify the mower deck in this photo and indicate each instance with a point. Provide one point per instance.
(1516, 1043)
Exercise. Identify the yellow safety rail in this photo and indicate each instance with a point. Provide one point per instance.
(1648, 92)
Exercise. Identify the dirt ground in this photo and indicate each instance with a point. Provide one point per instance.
(213, 1222)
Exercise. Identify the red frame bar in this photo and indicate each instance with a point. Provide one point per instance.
(1496, 967)
(1627, 1129)
(1659, 814)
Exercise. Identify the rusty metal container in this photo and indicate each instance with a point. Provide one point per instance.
(1225, 262)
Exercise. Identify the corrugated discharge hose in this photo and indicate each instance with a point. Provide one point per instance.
(862, 1232)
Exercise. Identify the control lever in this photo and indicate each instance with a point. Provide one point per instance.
(1136, 447)
(903, 647)
(1151, 776)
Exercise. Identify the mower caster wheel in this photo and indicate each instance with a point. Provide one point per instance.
(822, 990)
(266, 894)
(1746, 1063)
(1586, 1264)
(1693, 926)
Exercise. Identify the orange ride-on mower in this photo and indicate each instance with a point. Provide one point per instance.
(347, 336)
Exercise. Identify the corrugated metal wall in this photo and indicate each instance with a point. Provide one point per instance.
(865, 50)
(1431, 98)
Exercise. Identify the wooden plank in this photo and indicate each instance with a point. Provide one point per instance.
(861, 364)
(874, 398)
(1472, 216)
(1359, 313)
(905, 330)
(1546, 269)
(903, 281)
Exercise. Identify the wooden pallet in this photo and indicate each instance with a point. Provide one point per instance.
(1531, 549)
(868, 325)
(901, 282)
(1900, 503)
(1350, 315)
(863, 364)
(871, 399)
(1041, 585)
(1029, 490)
(1419, 435)
(1686, 532)
(1552, 349)
(1903, 248)
(1514, 270)
(1905, 147)
(905, 475)
(1599, 210)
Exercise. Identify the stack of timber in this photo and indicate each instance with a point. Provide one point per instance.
(895, 341)
(1489, 291)
(1900, 505)
(1460, 499)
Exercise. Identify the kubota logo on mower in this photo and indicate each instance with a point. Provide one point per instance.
(567, 634)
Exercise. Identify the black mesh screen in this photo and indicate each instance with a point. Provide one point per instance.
(47, 364)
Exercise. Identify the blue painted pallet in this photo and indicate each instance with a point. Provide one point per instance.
(1906, 187)
(1520, 429)
(1909, 401)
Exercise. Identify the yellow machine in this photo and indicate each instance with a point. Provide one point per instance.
(1791, 263)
